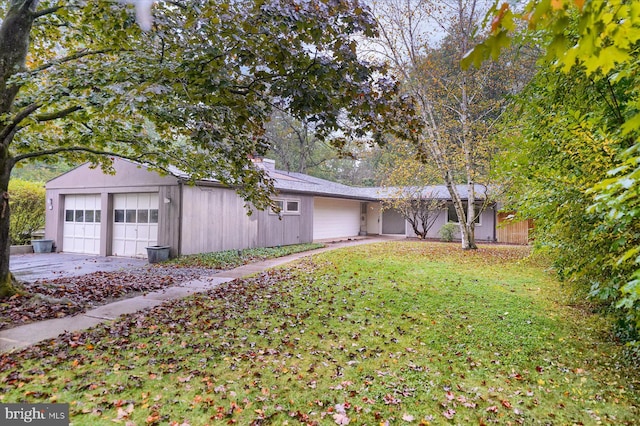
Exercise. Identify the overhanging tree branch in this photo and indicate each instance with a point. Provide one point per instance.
(47, 11)
(136, 158)
(75, 56)
(11, 127)
(49, 116)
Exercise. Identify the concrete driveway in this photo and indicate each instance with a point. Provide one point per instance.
(37, 266)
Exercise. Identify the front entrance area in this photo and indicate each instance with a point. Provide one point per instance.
(135, 223)
(392, 222)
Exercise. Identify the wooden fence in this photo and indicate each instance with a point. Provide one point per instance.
(512, 232)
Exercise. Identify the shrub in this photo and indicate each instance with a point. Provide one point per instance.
(27, 203)
(448, 231)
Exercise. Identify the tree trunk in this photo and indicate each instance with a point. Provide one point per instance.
(14, 44)
(6, 278)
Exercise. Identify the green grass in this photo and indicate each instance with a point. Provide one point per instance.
(405, 333)
(233, 258)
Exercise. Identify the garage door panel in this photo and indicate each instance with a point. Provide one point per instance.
(135, 224)
(335, 218)
(81, 230)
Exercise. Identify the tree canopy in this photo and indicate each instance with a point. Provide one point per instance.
(80, 81)
(456, 109)
(580, 131)
(196, 90)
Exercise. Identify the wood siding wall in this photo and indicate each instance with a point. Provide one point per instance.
(484, 231)
(511, 232)
(169, 217)
(215, 219)
(288, 228)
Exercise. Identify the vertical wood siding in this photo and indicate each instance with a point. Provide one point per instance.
(512, 232)
(288, 228)
(169, 218)
(215, 219)
(483, 231)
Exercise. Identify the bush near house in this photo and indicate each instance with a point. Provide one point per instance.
(448, 231)
(27, 203)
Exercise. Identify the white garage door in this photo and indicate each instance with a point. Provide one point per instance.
(81, 232)
(135, 223)
(335, 218)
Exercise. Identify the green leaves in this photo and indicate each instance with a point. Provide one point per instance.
(205, 79)
(596, 35)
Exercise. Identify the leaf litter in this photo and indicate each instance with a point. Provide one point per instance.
(64, 296)
(298, 346)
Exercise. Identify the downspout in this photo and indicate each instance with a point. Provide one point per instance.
(180, 192)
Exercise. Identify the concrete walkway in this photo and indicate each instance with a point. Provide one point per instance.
(25, 335)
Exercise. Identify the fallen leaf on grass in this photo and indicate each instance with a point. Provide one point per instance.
(449, 413)
(408, 417)
(341, 419)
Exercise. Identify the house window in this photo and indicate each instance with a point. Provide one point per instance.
(452, 216)
(130, 216)
(287, 206)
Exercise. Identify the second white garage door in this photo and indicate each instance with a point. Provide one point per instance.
(135, 223)
(335, 218)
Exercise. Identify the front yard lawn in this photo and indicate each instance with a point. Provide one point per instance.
(397, 333)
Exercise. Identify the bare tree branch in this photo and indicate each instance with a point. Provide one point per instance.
(47, 11)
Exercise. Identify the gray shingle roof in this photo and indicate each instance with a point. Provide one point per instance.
(301, 183)
(305, 184)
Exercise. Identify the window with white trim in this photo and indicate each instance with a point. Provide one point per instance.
(288, 206)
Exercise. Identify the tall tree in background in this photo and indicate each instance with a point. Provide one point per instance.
(79, 80)
(294, 147)
(458, 108)
(293, 144)
(408, 188)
